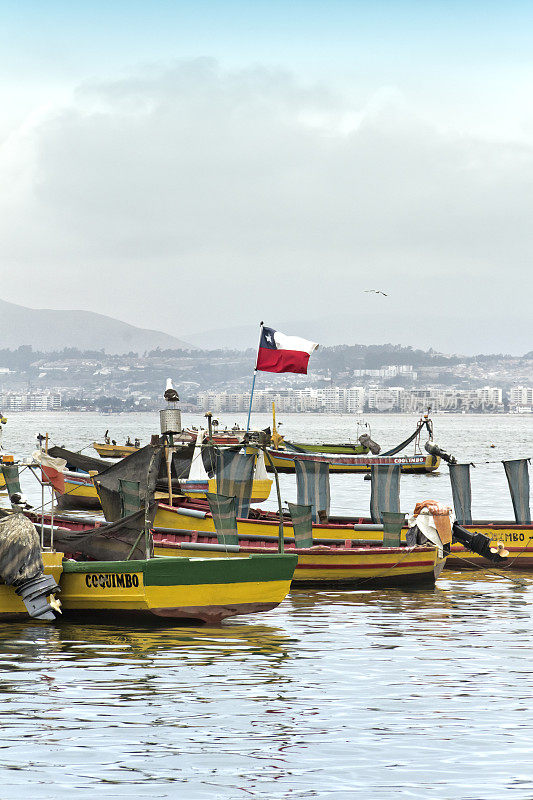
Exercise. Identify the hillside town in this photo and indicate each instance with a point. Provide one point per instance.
(341, 380)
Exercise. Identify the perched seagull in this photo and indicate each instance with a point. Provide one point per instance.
(171, 394)
(19, 502)
(376, 291)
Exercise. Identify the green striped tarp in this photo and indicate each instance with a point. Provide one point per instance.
(312, 486)
(11, 476)
(518, 480)
(461, 492)
(235, 475)
(384, 490)
(224, 511)
(302, 524)
(392, 528)
(129, 496)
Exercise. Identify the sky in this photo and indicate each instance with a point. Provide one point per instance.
(207, 165)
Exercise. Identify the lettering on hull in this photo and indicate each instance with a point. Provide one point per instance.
(112, 580)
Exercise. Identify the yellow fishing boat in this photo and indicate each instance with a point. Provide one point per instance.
(334, 565)
(208, 590)
(80, 491)
(418, 464)
(517, 539)
(105, 450)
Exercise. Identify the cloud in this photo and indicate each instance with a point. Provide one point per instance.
(190, 197)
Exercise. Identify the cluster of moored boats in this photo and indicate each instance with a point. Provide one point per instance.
(173, 529)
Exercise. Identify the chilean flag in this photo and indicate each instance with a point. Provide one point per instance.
(280, 353)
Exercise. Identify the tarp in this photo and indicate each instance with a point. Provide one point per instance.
(78, 460)
(235, 475)
(302, 524)
(209, 459)
(384, 490)
(113, 542)
(52, 469)
(312, 486)
(130, 495)
(11, 476)
(224, 511)
(392, 528)
(461, 492)
(181, 461)
(518, 480)
(142, 466)
(20, 549)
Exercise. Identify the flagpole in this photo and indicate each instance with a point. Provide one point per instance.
(253, 382)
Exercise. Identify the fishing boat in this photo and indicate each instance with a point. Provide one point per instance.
(196, 588)
(219, 436)
(334, 565)
(357, 530)
(283, 461)
(283, 454)
(108, 450)
(77, 489)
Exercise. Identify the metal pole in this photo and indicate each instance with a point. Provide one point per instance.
(42, 515)
(281, 548)
(255, 373)
(251, 400)
(168, 456)
(51, 518)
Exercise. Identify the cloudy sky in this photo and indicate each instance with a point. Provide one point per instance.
(195, 166)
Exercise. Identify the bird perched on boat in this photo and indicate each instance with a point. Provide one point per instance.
(19, 502)
(171, 395)
(376, 291)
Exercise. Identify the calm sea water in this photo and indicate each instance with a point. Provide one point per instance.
(358, 694)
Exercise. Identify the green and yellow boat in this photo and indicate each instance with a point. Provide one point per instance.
(207, 590)
(196, 588)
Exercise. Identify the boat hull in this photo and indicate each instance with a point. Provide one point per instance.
(80, 492)
(114, 450)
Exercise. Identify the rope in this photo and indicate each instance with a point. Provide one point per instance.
(492, 571)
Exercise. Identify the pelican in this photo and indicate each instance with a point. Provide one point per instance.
(171, 394)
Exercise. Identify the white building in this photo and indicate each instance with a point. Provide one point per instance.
(521, 397)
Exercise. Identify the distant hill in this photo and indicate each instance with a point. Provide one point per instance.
(371, 324)
(46, 330)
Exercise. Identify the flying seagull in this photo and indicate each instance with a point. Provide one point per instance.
(376, 291)
(170, 393)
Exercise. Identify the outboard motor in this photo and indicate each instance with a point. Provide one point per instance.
(21, 566)
(366, 441)
(477, 543)
(434, 450)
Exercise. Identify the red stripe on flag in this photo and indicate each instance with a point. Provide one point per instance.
(282, 360)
